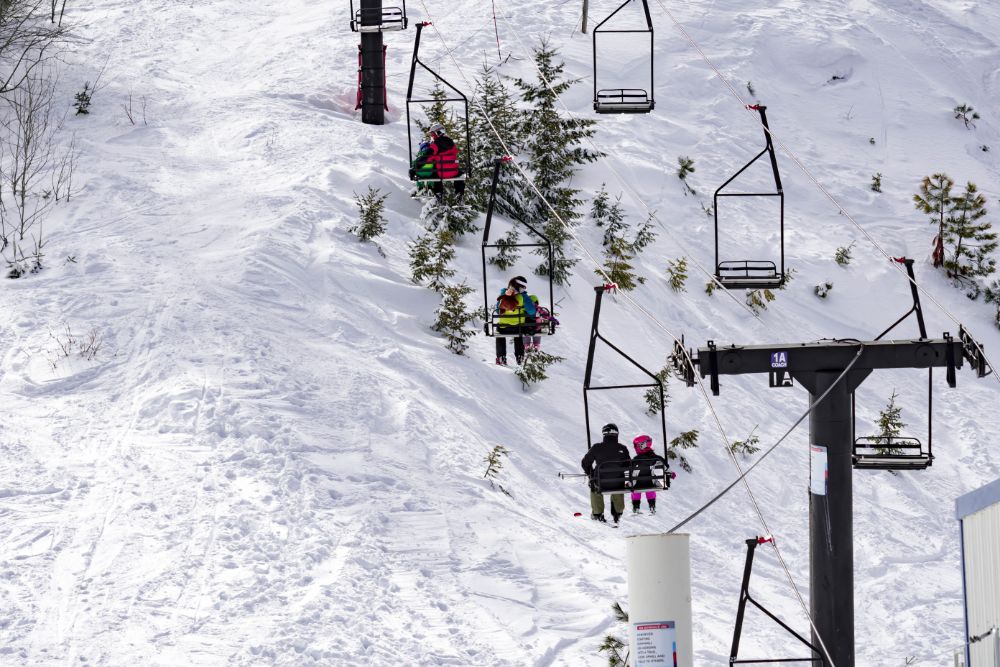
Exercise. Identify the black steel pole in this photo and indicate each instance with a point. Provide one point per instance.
(372, 65)
(831, 517)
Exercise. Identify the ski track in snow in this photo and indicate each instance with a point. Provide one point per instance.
(272, 460)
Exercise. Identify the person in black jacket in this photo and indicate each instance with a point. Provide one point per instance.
(606, 461)
(643, 463)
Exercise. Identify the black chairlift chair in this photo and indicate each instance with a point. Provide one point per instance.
(492, 315)
(465, 163)
(747, 273)
(614, 477)
(898, 452)
(624, 100)
(380, 19)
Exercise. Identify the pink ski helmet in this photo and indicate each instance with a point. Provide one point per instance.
(643, 444)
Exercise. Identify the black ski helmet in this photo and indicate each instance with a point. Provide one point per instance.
(609, 429)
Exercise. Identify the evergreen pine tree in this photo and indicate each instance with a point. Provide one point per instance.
(934, 199)
(599, 206)
(371, 207)
(448, 213)
(534, 368)
(430, 255)
(618, 256)
(748, 446)
(507, 255)
(440, 112)
(644, 236)
(686, 440)
(970, 239)
(553, 150)
(615, 649)
(652, 395)
(677, 274)
(494, 122)
(890, 425)
(610, 217)
(453, 317)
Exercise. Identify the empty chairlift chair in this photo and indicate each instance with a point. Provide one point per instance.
(377, 19)
(624, 100)
(895, 452)
(753, 273)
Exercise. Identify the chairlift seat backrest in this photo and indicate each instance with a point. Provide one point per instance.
(630, 477)
(749, 274)
(379, 20)
(623, 100)
(890, 453)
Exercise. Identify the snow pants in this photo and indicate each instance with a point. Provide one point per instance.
(617, 503)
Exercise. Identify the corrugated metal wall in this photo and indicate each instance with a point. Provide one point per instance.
(982, 580)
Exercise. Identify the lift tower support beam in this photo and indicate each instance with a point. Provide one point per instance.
(817, 367)
(372, 65)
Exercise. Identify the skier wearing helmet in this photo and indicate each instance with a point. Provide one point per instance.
(644, 460)
(606, 461)
(442, 154)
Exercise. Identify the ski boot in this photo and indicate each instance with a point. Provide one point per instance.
(635, 507)
(598, 517)
(616, 517)
(652, 506)
(501, 361)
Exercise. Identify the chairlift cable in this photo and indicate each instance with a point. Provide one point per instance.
(818, 184)
(658, 323)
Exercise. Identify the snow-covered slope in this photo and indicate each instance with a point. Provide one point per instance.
(273, 460)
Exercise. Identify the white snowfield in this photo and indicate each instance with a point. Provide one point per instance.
(272, 459)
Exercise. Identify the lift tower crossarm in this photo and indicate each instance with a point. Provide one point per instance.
(798, 358)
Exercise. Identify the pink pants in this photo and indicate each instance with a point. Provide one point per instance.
(650, 495)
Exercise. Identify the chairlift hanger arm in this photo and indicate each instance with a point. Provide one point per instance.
(768, 149)
(645, 9)
(915, 293)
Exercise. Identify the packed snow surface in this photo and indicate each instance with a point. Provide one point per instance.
(272, 459)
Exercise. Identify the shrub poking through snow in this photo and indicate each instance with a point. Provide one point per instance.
(686, 440)
(823, 289)
(82, 100)
(534, 368)
(685, 169)
(453, 318)
(613, 647)
(876, 184)
(843, 255)
(677, 274)
(371, 209)
(494, 464)
(748, 446)
(966, 114)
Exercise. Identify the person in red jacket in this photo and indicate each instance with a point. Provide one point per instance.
(443, 155)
